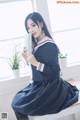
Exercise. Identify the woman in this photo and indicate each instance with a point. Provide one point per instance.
(48, 93)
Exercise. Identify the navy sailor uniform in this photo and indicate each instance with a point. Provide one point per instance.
(48, 93)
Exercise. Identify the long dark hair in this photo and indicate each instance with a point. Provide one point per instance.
(36, 17)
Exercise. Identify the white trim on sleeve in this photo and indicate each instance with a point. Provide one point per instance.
(40, 67)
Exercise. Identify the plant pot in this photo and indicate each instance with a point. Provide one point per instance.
(63, 63)
(16, 72)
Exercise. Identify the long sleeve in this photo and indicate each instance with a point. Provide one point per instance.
(49, 63)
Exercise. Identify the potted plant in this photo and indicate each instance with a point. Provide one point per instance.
(14, 61)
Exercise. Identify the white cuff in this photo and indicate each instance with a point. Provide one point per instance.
(40, 67)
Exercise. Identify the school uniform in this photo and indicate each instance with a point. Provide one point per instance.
(48, 93)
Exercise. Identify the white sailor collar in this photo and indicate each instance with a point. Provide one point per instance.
(42, 42)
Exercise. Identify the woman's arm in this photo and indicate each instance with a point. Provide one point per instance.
(49, 59)
(49, 54)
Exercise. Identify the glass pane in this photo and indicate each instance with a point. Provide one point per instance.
(12, 16)
(65, 24)
(67, 42)
(6, 52)
(63, 16)
(12, 31)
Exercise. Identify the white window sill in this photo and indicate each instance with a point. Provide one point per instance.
(71, 71)
(14, 78)
(73, 64)
(8, 74)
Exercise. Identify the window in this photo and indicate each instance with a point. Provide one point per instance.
(65, 24)
(12, 30)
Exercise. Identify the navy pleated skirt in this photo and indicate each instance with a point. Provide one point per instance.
(47, 97)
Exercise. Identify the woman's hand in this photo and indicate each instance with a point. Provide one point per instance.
(29, 57)
(32, 59)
